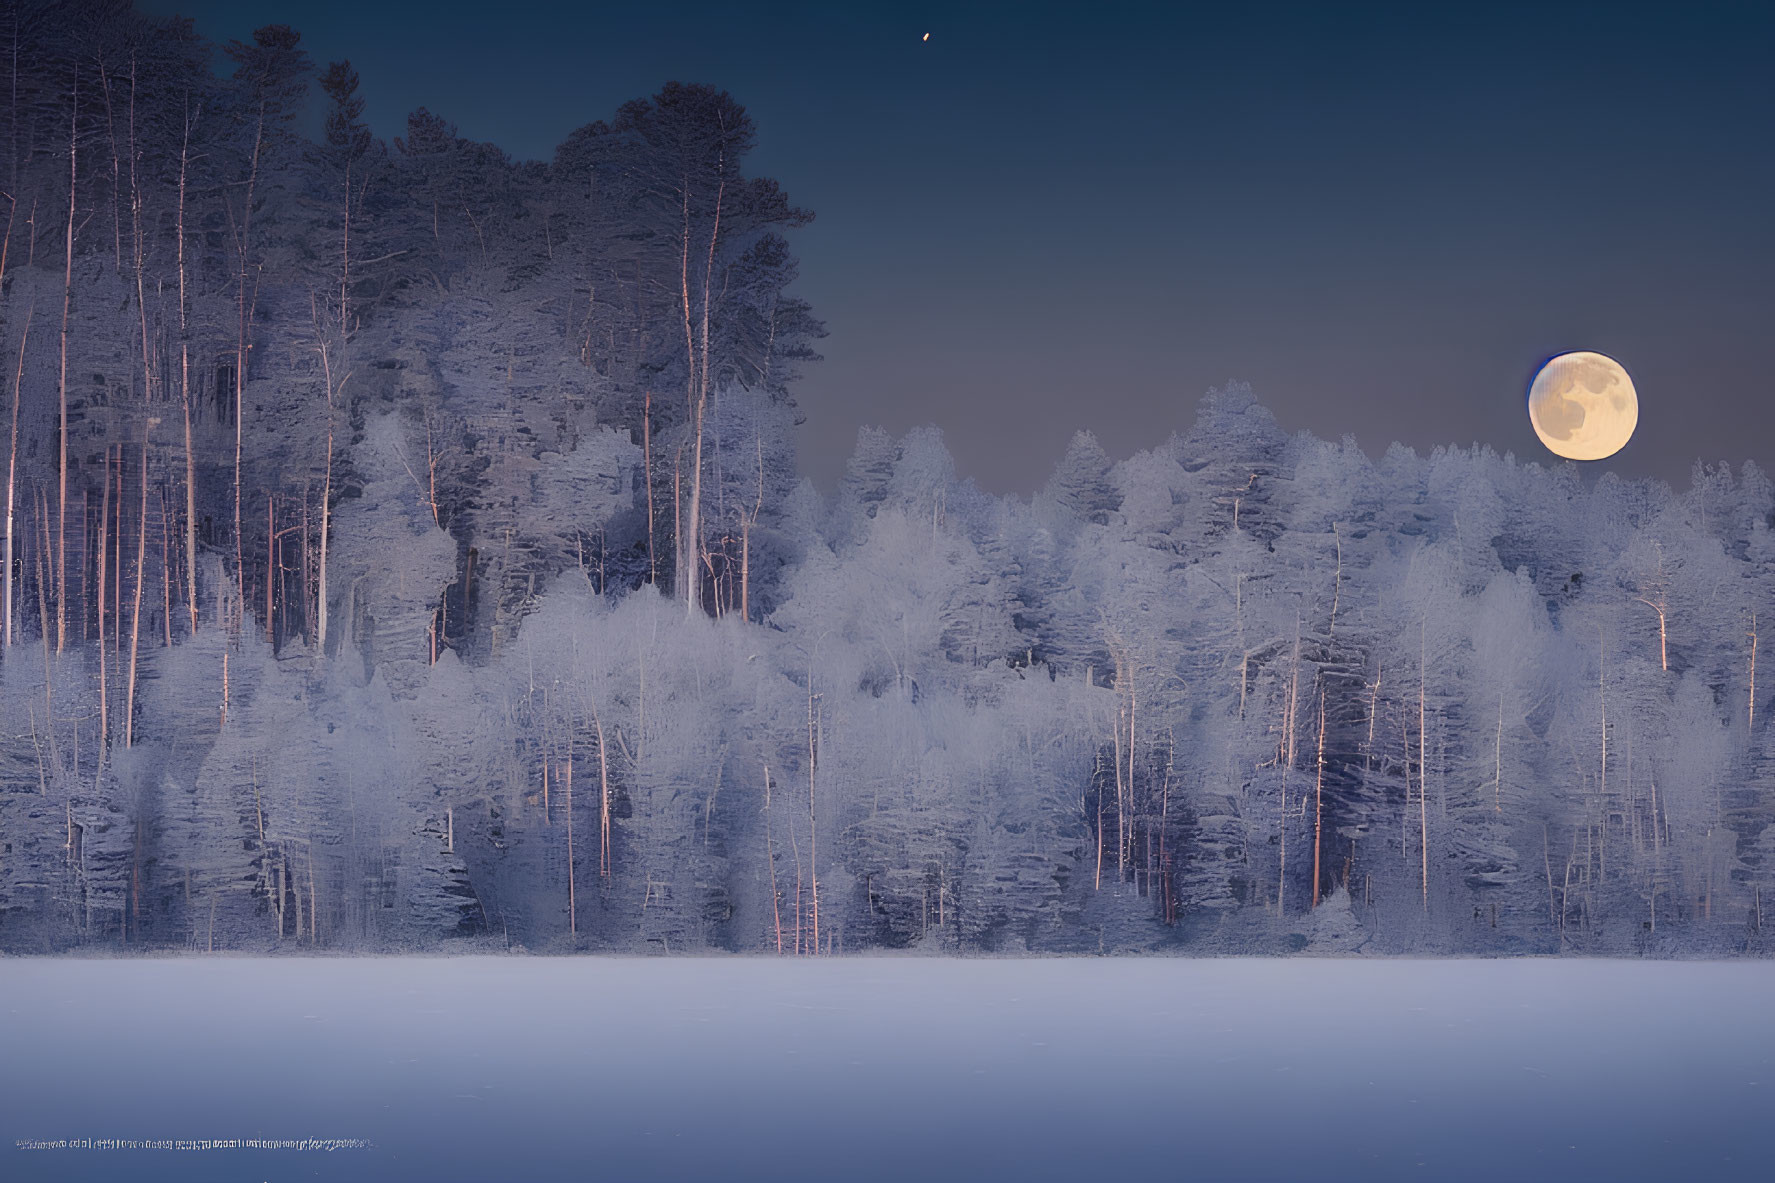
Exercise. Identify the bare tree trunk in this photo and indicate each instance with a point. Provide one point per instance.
(61, 557)
(295, 895)
(745, 567)
(312, 927)
(603, 799)
(326, 497)
(117, 565)
(813, 840)
(1547, 865)
(345, 262)
(243, 327)
(572, 913)
(55, 759)
(647, 470)
(692, 550)
(746, 527)
(185, 388)
(135, 205)
(104, 674)
(270, 567)
(1097, 883)
(1287, 771)
(1115, 752)
(1405, 764)
(12, 450)
(678, 520)
(326, 506)
(135, 218)
(683, 569)
(1602, 698)
(85, 555)
(1497, 773)
(116, 172)
(770, 861)
(1750, 721)
(1164, 822)
(1133, 717)
(702, 402)
(166, 571)
(18, 380)
(1318, 798)
(1423, 775)
(1663, 644)
(135, 627)
(795, 846)
(12, 127)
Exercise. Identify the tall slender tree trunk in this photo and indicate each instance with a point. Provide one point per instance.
(185, 385)
(813, 832)
(795, 847)
(678, 519)
(104, 540)
(117, 564)
(43, 577)
(770, 861)
(647, 477)
(693, 601)
(1319, 797)
(684, 569)
(116, 169)
(1423, 776)
(603, 798)
(18, 379)
(345, 376)
(326, 508)
(135, 221)
(345, 264)
(243, 329)
(135, 625)
(1405, 763)
(1547, 866)
(61, 554)
(1097, 882)
(326, 496)
(1751, 720)
(166, 570)
(1602, 698)
(1287, 771)
(748, 524)
(12, 449)
(572, 912)
(135, 208)
(12, 126)
(270, 567)
(1133, 711)
(1115, 754)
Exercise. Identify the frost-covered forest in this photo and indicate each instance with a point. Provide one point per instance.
(404, 550)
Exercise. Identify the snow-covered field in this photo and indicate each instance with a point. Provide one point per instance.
(890, 1068)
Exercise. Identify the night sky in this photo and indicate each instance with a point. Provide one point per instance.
(1050, 217)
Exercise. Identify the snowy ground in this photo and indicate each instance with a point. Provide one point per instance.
(891, 1068)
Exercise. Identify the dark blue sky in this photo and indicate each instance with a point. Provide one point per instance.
(1048, 217)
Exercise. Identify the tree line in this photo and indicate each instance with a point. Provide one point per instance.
(404, 549)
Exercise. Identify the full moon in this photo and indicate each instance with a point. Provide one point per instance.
(1583, 406)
